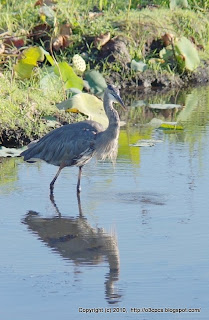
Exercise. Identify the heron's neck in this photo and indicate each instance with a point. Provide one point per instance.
(111, 113)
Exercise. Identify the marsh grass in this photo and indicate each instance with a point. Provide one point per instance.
(23, 105)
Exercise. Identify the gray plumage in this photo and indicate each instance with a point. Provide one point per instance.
(75, 144)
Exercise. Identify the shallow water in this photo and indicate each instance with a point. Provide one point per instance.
(137, 239)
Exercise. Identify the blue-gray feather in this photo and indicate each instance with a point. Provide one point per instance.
(66, 144)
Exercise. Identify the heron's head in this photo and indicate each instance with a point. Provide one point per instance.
(114, 95)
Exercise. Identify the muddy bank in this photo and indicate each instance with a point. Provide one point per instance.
(163, 81)
(143, 85)
(18, 137)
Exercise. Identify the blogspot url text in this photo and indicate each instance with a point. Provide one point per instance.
(139, 310)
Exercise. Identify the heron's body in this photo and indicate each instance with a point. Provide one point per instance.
(75, 144)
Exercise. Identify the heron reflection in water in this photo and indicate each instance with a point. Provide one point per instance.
(75, 144)
(75, 239)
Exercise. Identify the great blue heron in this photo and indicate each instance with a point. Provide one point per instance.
(75, 144)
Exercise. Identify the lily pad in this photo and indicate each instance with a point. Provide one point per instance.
(166, 126)
(146, 143)
(158, 123)
(10, 152)
(163, 106)
(87, 104)
(139, 103)
(95, 81)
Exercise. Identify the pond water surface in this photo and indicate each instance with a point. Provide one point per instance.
(135, 247)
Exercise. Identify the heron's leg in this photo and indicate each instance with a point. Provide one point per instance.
(55, 178)
(79, 180)
(79, 204)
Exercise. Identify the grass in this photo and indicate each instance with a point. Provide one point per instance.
(23, 105)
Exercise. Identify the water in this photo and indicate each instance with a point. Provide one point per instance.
(138, 240)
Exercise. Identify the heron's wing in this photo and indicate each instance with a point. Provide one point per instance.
(70, 145)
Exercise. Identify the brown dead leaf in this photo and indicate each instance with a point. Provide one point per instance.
(44, 2)
(93, 15)
(2, 48)
(167, 38)
(63, 39)
(198, 46)
(102, 39)
(41, 34)
(40, 31)
(13, 42)
(61, 42)
(66, 29)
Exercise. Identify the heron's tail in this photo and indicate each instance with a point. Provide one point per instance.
(30, 152)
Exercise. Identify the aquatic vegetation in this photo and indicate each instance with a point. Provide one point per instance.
(58, 49)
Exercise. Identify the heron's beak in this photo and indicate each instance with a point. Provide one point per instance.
(120, 101)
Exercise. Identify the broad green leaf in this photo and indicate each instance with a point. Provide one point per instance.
(24, 70)
(30, 57)
(96, 81)
(69, 77)
(187, 54)
(138, 65)
(47, 11)
(86, 104)
(50, 82)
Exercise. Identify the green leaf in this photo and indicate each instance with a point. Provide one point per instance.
(178, 4)
(166, 126)
(187, 54)
(48, 56)
(166, 54)
(138, 65)
(24, 70)
(95, 81)
(69, 77)
(50, 82)
(86, 104)
(24, 67)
